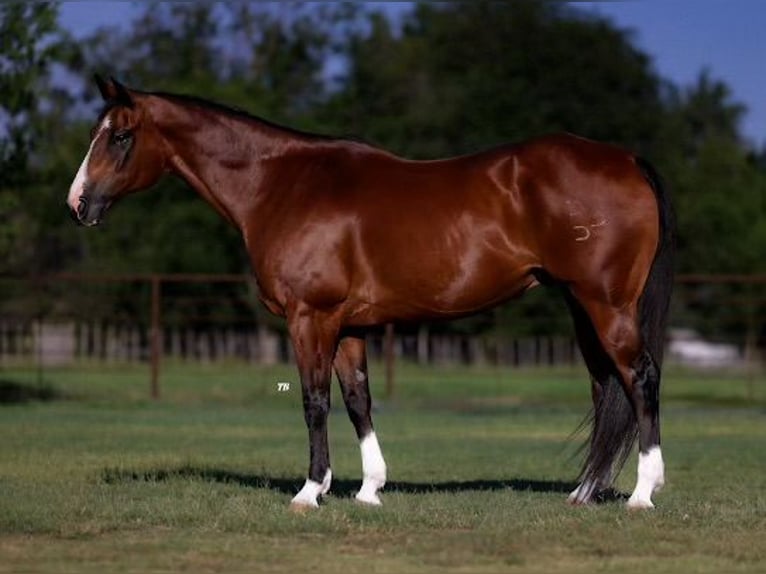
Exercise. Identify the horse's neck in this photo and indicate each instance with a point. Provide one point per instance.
(223, 158)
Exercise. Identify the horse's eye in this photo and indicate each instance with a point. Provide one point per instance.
(122, 138)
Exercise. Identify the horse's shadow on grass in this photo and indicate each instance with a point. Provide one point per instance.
(14, 393)
(343, 487)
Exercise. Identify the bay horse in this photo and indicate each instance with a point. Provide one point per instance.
(343, 236)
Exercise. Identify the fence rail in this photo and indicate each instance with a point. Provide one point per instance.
(47, 320)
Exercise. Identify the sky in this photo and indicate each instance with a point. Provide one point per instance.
(683, 37)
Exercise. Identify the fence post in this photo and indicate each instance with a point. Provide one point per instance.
(156, 336)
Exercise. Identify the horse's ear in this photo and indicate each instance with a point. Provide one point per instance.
(104, 88)
(122, 95)
(113, 91)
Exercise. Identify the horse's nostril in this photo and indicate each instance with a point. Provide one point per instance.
(82, 207)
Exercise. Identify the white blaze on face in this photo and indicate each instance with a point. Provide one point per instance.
(78, 185)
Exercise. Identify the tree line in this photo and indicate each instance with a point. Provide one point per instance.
(439, 79)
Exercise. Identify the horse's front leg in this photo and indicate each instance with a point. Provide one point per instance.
(314, 337)
(351, 367)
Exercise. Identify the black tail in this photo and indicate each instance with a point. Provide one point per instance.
(655, 300)
(614, 426)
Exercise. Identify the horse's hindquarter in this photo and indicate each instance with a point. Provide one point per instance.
(595, 216)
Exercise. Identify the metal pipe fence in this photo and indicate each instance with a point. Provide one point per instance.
(70, 319)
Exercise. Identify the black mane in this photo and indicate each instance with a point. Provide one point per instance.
(237, 113)
(230, 111)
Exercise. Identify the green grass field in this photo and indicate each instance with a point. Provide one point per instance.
(480, 461)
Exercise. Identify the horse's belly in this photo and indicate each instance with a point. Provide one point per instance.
(479, 289)
(442, 289)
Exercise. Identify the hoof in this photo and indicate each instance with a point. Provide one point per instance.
(574, 499)
(311, 492)
(583, 495)
(368, 494)
(368, 499)
(302, 507)
(638, 504)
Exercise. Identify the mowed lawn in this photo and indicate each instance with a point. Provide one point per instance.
(480, 462)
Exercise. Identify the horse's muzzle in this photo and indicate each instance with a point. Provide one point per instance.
(82, 208)
(73, 214)
(89, 211)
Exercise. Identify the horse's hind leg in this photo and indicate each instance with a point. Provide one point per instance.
(351, 367)
(651, 468)
(618, 331)
(603, 377)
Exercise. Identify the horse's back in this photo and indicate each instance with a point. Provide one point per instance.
(578, 209)
(414, 240)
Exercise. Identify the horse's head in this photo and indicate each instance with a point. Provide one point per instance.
(126, 154)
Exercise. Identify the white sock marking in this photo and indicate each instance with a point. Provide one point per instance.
(312, 490)
(651, 478)
(583, 493)
(373, 470)
(587, 489)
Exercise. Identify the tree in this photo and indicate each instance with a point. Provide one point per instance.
(720, 196)
(29, 35)
(452, 78)
(177, 47)
(463, 76)
(174, 48)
